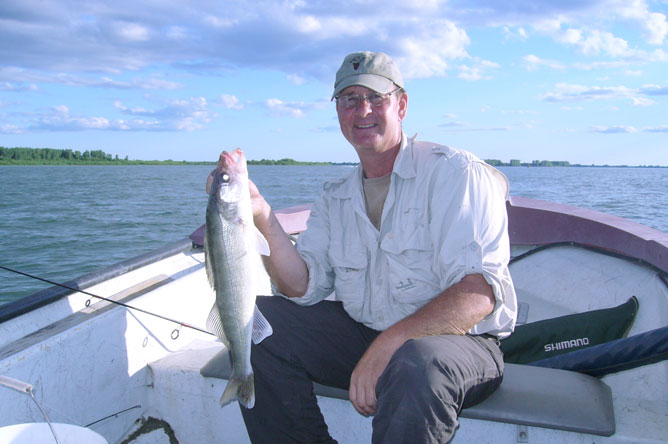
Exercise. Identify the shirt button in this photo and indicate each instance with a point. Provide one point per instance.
(473, 246)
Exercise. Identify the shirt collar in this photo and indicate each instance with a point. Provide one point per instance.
(403, 167)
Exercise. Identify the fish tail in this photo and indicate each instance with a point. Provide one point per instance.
(239, 389)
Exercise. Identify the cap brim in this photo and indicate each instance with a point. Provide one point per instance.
(372, 81)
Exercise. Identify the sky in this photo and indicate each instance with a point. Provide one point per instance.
(578, 81)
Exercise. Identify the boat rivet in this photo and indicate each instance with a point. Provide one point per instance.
(522, 433)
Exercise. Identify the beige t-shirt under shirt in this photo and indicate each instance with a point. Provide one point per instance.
(375, 192)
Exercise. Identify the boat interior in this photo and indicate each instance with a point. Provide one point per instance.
(134, 377)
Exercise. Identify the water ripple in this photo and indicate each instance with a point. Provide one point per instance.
(61, 222)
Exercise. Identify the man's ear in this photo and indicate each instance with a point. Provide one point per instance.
(403, 105)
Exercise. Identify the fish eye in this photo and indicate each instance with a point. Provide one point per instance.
(225, 178)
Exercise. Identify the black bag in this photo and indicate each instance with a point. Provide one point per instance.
(552, 337)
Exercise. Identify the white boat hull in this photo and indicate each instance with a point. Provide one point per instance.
(107, 361)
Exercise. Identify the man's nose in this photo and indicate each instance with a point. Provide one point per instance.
(364, 107)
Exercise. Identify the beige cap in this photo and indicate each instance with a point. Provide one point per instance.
(374, 70)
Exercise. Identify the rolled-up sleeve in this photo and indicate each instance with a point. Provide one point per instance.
(313, 245)
(472, 238)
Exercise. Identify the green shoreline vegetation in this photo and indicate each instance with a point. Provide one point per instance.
(51, 156)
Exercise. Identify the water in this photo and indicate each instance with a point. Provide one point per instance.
(60, 222)
(637, 194)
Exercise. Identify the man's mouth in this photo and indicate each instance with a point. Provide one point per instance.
(370, 125)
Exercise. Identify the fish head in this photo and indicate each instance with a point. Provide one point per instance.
(230, 181)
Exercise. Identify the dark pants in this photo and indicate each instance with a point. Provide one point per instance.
(419, 395)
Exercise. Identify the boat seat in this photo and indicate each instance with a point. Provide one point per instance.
(532, 396)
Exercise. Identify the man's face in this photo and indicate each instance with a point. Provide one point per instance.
(372, 128)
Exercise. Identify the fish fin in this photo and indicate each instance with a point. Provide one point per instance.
(261, 327)
(261, 243)
(215, 325)
(239, 389)
(207, 262)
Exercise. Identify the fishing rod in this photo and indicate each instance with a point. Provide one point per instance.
(175, 333)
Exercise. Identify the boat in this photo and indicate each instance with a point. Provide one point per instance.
(120, 353)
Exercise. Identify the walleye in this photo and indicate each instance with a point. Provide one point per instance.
(230, 241)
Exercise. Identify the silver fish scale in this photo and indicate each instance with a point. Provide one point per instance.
(228, 268)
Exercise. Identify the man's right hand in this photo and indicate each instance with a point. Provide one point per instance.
(261, 208)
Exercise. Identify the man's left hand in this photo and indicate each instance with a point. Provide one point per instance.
(362, 392)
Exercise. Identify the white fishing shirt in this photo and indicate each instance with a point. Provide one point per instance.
(444, 217)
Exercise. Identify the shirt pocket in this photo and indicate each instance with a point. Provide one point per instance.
(350, 267)
(409, 252)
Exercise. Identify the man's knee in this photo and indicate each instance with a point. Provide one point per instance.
(441, 366)
(413, 369)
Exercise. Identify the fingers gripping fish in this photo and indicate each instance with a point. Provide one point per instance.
(230, 241)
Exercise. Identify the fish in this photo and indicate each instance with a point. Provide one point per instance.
(230, 241)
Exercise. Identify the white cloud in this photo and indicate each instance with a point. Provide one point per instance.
(11, 129)
(657, 28)
(426, 53)
(642, 101)
(453, 124)
(60, 119)
(654, 90)
(308, 24)
(533, 62)
(131, 32)
(219, 22)
(602, 65)
(23, 79)
(231, 102)
(621, 129)
(603, 42)
(584, 27)
(18, 87)
(564, 92)
(590, 42)
(478, 71)
(306, 37)
(95, 44)
(515, 33)
(657, 129)
(296, 79)
(176, 115)
(279, 107)
(654, 24)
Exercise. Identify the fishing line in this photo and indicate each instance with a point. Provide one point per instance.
(175, 333)
(114, 415)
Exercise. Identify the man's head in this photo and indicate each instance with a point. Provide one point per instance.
(373, 70)
(370, 102)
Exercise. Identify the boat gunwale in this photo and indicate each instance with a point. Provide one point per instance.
(538, 222)
(530, 222)
(14, 309)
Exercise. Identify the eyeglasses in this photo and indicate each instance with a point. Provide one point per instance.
(349, 101)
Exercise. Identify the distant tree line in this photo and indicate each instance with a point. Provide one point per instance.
(51, 155)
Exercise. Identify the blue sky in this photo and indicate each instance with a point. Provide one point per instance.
(582, 81)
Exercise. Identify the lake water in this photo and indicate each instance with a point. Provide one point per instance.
(59, 222)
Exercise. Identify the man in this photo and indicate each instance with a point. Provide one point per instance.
(414, 244)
